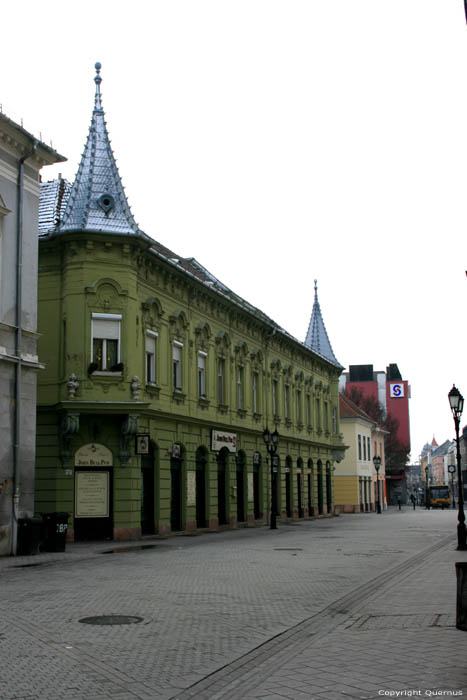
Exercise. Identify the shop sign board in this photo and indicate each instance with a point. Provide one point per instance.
(220, 439)
(93, 455)
(92, 494)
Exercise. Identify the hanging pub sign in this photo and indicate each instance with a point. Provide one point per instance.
(93, 455)
(220, 439)
(176, 451)
(142, 444)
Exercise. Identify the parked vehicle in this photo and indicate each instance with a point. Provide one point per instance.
(440, 496)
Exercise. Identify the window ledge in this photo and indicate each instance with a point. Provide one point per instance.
(241, 412)
(179, 396)
(222, 408)
(153, 389)
(203, 402)
(105, 373)
(257, 416)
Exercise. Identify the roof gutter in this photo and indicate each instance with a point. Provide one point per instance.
(18, 349)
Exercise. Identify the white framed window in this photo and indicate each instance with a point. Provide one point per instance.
(299, 406)
(177, 365)
(151, 341)
(334, 420)
(221, 380)
(202, 374)
(239, 386)
(255, 392)
(274, 397)
(286, 401)
(105, 340)
(359, 447)
(308, 409)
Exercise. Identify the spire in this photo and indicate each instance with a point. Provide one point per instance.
(97, 199)
(317, 337)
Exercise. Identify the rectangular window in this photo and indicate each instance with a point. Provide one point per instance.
(221, 380)
(105, 345)
(202, 374)
(239, 387)
(369, 449)
(286, 401)
(308, 409)
(359, 447)
(299, 406)
(255, 393)
(177, 365)
(364, 448)
(334, 420)
(151, 357)
(274, 397)
(318, 415)
(326, 416)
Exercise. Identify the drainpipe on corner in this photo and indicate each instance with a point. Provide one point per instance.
(18, 349)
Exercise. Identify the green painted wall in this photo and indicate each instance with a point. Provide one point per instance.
(82, 274)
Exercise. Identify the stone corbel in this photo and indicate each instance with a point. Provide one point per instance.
(69, 427)
(129, 429)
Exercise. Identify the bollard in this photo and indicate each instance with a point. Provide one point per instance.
(461, 608)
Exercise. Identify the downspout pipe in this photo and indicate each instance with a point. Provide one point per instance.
(18, 349)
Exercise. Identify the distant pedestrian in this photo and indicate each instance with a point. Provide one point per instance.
(414, 500)
(399, 502)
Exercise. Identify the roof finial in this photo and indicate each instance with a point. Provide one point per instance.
(316, 289)
(98, 81)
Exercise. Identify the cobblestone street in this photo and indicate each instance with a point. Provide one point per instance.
(356, 606)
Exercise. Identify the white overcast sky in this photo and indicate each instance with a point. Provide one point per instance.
(279, 141)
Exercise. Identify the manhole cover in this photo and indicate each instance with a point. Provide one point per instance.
(111, 620)
(137, 548)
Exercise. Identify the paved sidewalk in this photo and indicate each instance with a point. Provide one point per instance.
(360, 606)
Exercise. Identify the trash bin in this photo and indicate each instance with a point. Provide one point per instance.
(55, 529)
(461, 610)
(29, 536)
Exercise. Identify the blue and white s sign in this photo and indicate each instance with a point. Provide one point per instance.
(396, 391)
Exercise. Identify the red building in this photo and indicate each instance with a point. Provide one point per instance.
(393, 393)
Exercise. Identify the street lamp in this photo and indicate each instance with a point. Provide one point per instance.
(271, 440)
(377, 463)
(456, 401)
(451, 470)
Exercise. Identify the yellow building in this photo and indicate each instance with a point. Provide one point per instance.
(355, 477)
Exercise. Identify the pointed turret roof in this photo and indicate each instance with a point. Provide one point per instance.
(97, 200)
(317, 337)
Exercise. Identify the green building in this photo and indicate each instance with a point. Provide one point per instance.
(159, 380)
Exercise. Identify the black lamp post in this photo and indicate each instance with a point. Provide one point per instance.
(377, 463)
(451, 470)
(271, 440)
(456, 401)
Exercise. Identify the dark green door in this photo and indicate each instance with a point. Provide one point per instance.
(147, 497)
(200, 490)
(175, 495)
(221, 489)
(256, 491)
(240, 489)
